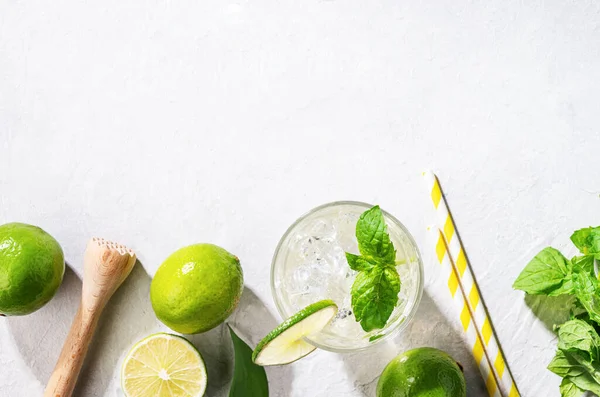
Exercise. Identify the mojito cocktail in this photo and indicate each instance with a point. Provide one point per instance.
(310, 264)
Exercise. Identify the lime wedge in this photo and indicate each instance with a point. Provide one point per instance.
(163, 365)
(285, 344)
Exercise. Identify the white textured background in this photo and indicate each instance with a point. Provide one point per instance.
(163, 123)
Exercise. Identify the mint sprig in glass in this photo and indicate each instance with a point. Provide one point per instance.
(360, 257)
(377, 284)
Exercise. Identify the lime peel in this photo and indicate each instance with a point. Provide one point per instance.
(196, 288)
(286, 344)
(422, 372)
(32, 266)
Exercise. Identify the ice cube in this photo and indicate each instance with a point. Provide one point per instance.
(348, 243)
(309, 293)
(346, 219)
(320, 269)
(296, 281)
(315, 275)
(302, 298)
(294, 289)
(336, 257)
(301, 275)
(347, 301)
(349, 277)
(311, 249)
(323, 230)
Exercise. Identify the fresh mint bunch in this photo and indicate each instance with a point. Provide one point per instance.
(549, 273)
(377, 284)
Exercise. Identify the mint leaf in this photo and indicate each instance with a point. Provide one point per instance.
(563, 365)
(565, 288)
(576, 369)
(577, 265)
(249, 379)
(544, 274)
(581, 239)
(586, 291)
(587, 240)
(374, 296)
(569, 389)
(358, 263)
(373, 239)
(577, 335)
(586, 382)
(592, 369)
(376, 287)
(583, 264)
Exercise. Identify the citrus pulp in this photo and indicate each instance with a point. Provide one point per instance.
(163, 365)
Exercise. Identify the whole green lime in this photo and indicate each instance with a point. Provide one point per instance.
(32, 266)
(422, 372)
(196, 288)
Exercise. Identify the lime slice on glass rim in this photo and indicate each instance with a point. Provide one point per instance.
(286, 344)
(163, 365)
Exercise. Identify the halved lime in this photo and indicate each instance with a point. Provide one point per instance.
(163, 365)
(285, 344)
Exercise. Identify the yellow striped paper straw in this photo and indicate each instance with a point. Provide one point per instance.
(459, 299)
(473, 314)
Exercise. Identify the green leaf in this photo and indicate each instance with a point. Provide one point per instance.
(564, 364)
(587, 240)
(592, 368)
(373, 239)
(374, 296)
(570, 389)
(566, 287)
(578, 265)
(578, 369)
(583, 264)
(376, 287)
(586, 291)
(578, 313)
(585, 381)
(249, 379)
(577, 335)
(358, 263)
(581, 239)
(544, 274)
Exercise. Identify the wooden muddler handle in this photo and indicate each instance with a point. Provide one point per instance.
(105, 266)
(63, 379)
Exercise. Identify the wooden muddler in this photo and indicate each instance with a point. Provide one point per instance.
(105, 266)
